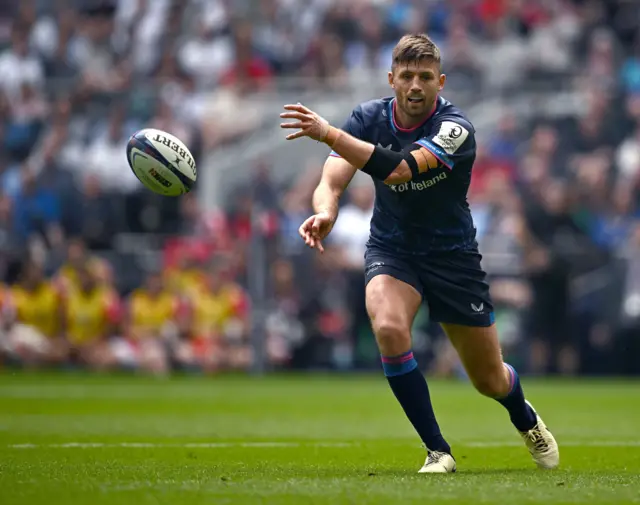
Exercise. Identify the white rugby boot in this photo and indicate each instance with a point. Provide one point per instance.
(438, 462)
(541, 444)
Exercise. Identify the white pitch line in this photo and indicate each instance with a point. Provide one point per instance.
(570, 443)
(194, 445)
(282, 445)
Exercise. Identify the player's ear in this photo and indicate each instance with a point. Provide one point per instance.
(443, 79)
(390, 76)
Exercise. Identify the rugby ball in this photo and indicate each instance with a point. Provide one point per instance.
(161, 162)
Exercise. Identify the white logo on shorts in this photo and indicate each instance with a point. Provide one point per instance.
(477, 309)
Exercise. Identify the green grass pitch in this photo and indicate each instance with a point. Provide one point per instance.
(303, 440)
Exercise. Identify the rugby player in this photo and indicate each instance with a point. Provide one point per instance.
(422, 244)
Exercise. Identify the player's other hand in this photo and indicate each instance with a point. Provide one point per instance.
(315, 229)
(308, 123)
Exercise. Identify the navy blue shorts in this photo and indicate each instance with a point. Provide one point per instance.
(452, 283)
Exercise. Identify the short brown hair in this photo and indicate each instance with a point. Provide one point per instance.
(414, 49)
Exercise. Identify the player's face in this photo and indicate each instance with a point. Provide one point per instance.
(416, 85)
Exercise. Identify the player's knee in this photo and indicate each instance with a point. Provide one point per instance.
(493, 385)
(393, 336)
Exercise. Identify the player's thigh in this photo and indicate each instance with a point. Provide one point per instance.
(456, 290)
(458, 297)
(480, 353)
(392, 305)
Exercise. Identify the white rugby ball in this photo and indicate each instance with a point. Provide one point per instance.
(161, 162)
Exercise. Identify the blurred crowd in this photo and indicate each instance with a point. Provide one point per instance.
(98, 271)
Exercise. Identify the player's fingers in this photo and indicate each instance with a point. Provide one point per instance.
(305, 235)
(305, 227)
(296, 115)
(298, 107)
(298, 125)
(308, 240)
(320, 246)
(296, 135)
(308, 236)
(304, 109)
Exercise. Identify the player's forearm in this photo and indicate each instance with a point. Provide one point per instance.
(355, 151)
(325, 199)
(359, 153)
(336, 176)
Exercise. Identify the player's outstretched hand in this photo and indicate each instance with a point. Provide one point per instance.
(315, 229)
(308, 123)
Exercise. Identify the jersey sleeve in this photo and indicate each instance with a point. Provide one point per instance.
(451, 141)
(354, 126)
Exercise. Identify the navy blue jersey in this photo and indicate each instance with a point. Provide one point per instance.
(429, 213)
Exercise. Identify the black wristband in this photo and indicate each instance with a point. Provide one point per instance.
(383, 162)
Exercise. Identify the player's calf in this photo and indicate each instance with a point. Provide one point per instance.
(493, 384)
(479, 350)
(521, 414)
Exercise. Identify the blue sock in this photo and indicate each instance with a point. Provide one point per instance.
(411, 390)
(522, 416)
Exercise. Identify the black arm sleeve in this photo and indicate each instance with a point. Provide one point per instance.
(384, 161)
